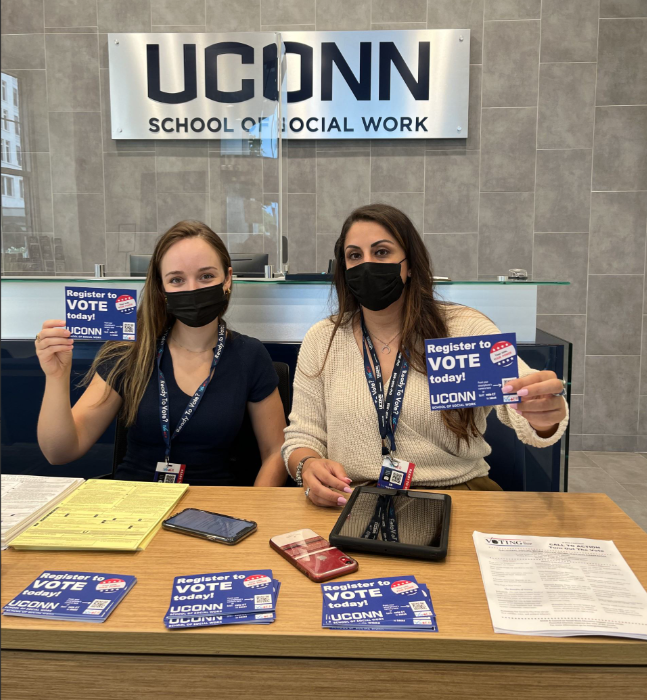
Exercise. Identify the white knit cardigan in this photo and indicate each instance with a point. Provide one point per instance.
(333, 412)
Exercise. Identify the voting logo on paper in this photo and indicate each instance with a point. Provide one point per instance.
(503, 542)
(111, 584)
(257, 581)
(404, 587)
(503, 353)
(125, 303)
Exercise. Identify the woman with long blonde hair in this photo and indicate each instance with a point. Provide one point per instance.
(181, 388)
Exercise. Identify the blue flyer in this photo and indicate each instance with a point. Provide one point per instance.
(93, 313)
(175, 623)
(471, 371)
(224, 593)
(388, 603)
(75, 596)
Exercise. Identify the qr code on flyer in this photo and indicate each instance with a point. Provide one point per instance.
(419, 605)
(96, 606)
(129, 327)
(262, 601)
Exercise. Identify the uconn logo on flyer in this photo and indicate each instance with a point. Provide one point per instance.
(371, 84)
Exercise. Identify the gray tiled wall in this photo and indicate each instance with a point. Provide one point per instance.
(553, 176)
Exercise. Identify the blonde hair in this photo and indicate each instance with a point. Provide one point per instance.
(132, 362)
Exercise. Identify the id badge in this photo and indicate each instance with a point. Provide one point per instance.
(169, 473)
(396, 473)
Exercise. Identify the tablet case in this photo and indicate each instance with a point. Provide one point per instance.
(423, 524)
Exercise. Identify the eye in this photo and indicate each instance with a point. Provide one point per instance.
(353, 256)
(382, 252)
(176, 280)
(208, 276)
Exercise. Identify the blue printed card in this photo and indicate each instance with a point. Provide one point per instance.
(388, 603)
(471, 371)
(175, 623)
(75, 596)
(94, 313)
(224, 593)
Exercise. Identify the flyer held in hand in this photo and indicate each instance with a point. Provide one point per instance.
(96, 313)
(471, 371)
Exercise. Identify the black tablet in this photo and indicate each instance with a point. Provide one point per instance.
(403, 523)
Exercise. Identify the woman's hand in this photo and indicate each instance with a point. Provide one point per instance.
(54, 349)
(320, 477)
(539, 405)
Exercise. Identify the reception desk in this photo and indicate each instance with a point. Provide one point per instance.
(272, 310)
(132, 654)
(279, 313)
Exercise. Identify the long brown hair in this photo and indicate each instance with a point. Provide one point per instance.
(423, 316)
(132, 362)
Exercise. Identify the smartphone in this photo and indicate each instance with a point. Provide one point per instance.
(214, 527)
(313, 555)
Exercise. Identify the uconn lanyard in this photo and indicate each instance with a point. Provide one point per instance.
(388, 408)
(383, 520)
(164, 406)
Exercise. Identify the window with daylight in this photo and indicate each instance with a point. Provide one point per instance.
(7, 186)
(4, 90)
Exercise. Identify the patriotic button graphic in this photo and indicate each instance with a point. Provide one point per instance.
(125, 303)
(503, 353)
(404, 587)
(111, 584)
(257, 581)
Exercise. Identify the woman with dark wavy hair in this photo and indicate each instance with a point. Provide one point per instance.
(185, 366)
(387, 308)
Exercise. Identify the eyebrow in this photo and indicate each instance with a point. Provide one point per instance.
(202, 269)
(382, 240)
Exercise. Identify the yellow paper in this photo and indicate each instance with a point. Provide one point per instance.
(113, 515)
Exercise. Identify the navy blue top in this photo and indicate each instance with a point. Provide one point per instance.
(244, 373)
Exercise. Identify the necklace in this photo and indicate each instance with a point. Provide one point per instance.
(195, 352)
(386, 349)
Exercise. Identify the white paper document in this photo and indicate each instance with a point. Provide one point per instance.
(27, 498)
(560, 587)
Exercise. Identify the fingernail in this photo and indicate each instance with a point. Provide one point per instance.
(341, 501)
(347, 490)
(507, 388)
(348, 479)
(522, 392)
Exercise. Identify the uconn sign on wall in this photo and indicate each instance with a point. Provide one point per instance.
(313, 85)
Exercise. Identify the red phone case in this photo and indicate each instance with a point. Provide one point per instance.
(313, 555)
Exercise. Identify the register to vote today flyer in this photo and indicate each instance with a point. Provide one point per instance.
(96, 313)
(471, 371)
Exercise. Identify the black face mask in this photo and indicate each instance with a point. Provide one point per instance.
(375, 285)
(197, 307)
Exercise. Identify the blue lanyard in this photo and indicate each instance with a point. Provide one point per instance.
(165, 408)
(388, 409)
(383, 521)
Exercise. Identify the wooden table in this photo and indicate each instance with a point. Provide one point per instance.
(132, 655)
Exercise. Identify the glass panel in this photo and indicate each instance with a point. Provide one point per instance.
(112, 199)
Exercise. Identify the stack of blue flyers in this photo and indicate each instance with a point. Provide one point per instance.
(226, 598)
(390, 603)
(74, 596)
